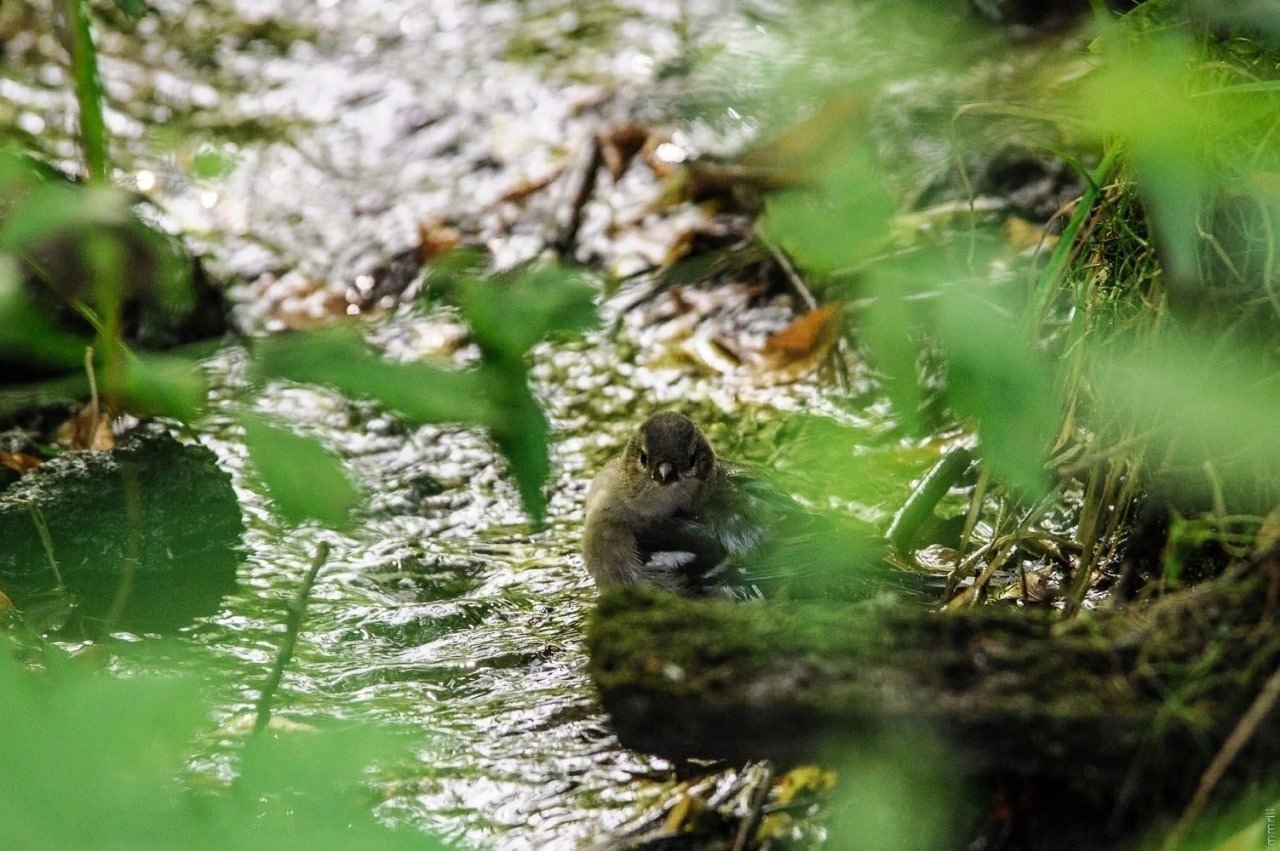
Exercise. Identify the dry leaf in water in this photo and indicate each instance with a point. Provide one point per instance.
(20, 462)
(435, 238)
(88, 429)
(619, 146)
(801, 347)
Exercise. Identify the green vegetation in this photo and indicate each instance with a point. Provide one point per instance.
(77, 266)
(93, 761)
(1135, 359)
(1119, 382)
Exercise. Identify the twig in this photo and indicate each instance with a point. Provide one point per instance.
(1240, 736)
(46, 541)
(963, 569)
(975, 591)
(132, 496)
(562, 243)
(93, 394)
(297, 608)
(793, 277)
(749, 824)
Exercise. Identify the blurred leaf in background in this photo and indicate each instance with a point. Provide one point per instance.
(1192, 130)
(27, 333)
(79, 268)
(1200, 407)
(165, 385)
(213, 161)
(1143, 95)
(508, 315)
(338, 357)
(996, 377)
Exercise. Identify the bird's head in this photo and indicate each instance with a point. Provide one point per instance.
(669, 448)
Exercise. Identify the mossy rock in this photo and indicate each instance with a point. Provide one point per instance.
(153, 521)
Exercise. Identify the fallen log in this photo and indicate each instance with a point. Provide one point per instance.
(1123, 708)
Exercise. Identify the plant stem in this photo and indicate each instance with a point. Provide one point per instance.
(1050, 278)
(84, 67)
(297, 608)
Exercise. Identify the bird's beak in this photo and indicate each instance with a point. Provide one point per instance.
(666, 472)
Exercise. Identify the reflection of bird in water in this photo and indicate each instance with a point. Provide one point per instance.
(668, 513)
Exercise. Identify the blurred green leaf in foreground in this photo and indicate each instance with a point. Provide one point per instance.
(92, 761)
(507, 317)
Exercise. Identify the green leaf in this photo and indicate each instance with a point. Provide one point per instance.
(53, 208)
(521, 434)
(305, 480)
(1183, 132)
(508, 317)
(125, 743)
(20, 173)
(164, 384)
(837, 224)
(28, 332)
(995, 376)
(211, 162)
(1206, 402)
(339, 358)
(132, 8)
(119, 742)
(877, 774)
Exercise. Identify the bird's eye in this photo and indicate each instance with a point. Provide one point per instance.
(644, 458)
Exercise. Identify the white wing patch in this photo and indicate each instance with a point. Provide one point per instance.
(670, 559)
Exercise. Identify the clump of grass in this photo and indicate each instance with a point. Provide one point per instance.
(1156, 301)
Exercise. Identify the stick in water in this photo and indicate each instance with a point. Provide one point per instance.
(297, 608)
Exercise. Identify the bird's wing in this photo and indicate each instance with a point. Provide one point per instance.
(676, 553)
(776, 546)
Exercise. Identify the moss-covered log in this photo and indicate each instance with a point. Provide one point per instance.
(1120, 706)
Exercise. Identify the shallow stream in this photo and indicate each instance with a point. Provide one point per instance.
(301, 146)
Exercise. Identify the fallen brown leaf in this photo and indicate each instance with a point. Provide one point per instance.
(20, 462)
(435, 238)
(1022, 235)
(619, 146)
(801, 347)
(811, 334)
(88, 429)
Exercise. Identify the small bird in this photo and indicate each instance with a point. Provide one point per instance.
(668, 513)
